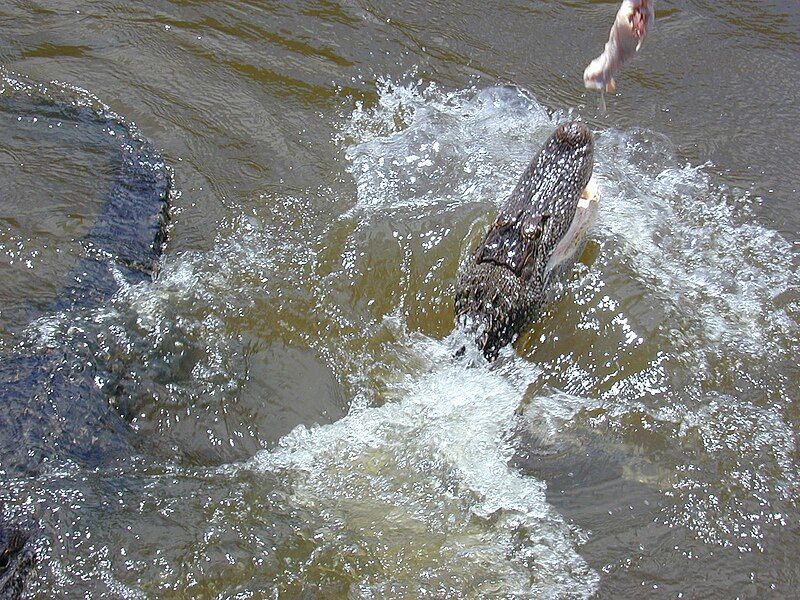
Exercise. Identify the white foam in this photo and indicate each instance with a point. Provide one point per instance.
(423, 466)
(719, 284)
(422, 146)
(193, 301)
(429, 473)
(686, 241)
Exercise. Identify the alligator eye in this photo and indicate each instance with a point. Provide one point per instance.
(5, 560)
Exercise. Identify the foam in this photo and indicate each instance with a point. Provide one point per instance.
(692, 244)
(198, 293)
(429, 473)
(422, 147)
(425, 464)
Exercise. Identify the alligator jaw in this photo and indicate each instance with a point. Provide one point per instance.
(571, 245)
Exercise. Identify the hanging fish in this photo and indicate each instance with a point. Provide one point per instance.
(633, 20)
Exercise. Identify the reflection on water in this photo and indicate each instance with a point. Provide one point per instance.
(301, 426)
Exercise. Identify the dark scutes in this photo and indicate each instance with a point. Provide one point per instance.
(502, 288)
(53, 406)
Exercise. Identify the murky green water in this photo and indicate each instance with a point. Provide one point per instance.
(301, 428)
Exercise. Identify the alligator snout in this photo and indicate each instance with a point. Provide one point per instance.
(501, 289)
(574, 133)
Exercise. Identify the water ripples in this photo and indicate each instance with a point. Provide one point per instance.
(427, 474)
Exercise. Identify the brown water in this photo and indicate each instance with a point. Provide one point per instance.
(303, 430)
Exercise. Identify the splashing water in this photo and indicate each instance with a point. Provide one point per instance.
(685, 245)
(421, 485)
(658, 345)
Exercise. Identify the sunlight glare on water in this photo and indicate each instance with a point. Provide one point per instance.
(305, 430)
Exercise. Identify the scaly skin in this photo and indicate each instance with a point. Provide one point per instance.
(52, 404)
(502, 288)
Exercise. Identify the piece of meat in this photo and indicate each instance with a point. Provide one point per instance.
(633, 20)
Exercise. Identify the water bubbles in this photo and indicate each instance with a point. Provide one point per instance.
(679, 306)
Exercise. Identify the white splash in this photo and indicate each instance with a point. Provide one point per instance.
(423, 483)
(422, 147)
(688, 241)
(717, 288)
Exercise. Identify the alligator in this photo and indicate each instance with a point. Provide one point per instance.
(538, 233)
(53, 406)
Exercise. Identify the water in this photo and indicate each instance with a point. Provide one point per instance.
(301, 428)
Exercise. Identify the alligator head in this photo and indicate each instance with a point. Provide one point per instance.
(501, 290)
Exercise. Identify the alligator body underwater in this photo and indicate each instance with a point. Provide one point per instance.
(54, 405)
(53, 402)
(539, 231)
